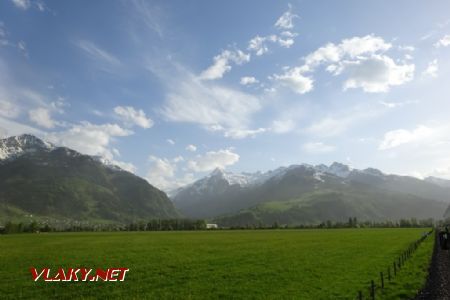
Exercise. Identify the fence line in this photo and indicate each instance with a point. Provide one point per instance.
(397, 265)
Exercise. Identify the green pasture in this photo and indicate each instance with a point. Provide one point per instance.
(251, 264)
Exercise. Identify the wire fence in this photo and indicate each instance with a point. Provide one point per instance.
(388, 274)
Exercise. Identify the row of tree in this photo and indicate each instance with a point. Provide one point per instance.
(152, 225)
(351, 223)
(190, 224)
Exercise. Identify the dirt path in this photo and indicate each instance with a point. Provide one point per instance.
(438, 282)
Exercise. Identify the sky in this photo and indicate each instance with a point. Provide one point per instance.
(171, 90)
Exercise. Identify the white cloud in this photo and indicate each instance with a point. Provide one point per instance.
(9, 128)
(282, 126)
(149, 14)
(26, 4)
(239, 133)
(41, 116)
(97, 53)
(443, 42)
(432, 69)
(357, 57)
(396, 138)
(248, 80)
(288, 34)
(170, 141)
(178, 159)
(125, 165)
(397, 104)
(22, 4)
(162, 173)
(215, 107)
(348, 48)
(375, 74)
(357, 46)
(295, 80)
(213, 159)
(407, 48)
(89, 138)
(441, 172)
(330, 126)
(22, 48)
(286, 20)
(4, 36)
(286, 43)
(131, 116)
(191, 148)
(8, 109)
(408, 57)
(222, 64)
(336, 124)
(259, 44)
(41, 6)
(162, 167)
(318, 148)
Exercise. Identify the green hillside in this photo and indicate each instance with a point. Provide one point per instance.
(336, 206)
(64, 185)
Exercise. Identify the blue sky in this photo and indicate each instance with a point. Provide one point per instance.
(173, 89)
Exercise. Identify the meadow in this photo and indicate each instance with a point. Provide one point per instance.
(251, 264)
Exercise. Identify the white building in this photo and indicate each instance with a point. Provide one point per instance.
(211, 226)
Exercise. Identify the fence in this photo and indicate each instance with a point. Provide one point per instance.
(388, 274)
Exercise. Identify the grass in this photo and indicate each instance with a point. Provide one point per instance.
(257, 264)
(413, 274)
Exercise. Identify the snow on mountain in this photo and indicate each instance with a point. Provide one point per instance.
(339, 170)
(243, 180)
(107, 163)
(17, 145)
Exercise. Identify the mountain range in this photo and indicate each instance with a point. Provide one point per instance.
(302, 194)
(41, 180)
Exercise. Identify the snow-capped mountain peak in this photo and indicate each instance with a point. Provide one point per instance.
(17, 145)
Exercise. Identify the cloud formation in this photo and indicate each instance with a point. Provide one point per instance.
(362, 59)
(191, 148)
(162, 173)
(97, 54)
(130, 116)
(222, 64)
(22, 4)
(295, 79)
(41, 117)
(443, 42)
(215, 107)
(260, 45)
(398, 137)
(213, 159)
(286, 21)
(248, 80)
(432, 69)
(89, 138)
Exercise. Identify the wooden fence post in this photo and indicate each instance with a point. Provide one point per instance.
(389, 274)
(395, 269)
(382, 280)
(360, 295)
(372, 289)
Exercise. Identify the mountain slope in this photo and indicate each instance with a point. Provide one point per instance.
(40, 179)
(311, 194)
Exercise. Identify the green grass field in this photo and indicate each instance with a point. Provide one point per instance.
(254, 264)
